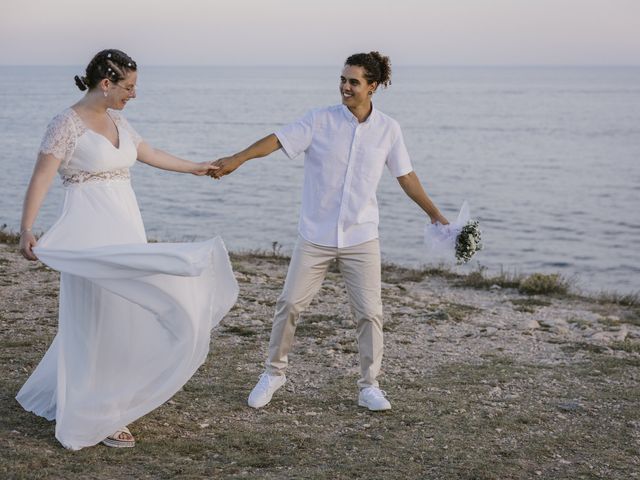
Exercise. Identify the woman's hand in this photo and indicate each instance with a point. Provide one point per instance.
(204, 168)
(27, 242)
(259, 149)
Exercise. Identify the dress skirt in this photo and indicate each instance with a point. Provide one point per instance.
(134, 317)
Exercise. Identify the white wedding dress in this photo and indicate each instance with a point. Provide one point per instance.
(134, 318)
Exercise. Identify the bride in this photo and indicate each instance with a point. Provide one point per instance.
(134, 318)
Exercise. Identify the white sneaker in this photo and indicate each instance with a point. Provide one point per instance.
(264, 389)
(374, 399)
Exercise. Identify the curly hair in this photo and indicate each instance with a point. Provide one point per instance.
(377, 68)
(112, 64)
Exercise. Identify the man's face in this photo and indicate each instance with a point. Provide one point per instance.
(354, 89)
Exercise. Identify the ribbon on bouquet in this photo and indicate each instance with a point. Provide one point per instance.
(440, 240)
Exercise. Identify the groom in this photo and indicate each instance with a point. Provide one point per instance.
(346, 149)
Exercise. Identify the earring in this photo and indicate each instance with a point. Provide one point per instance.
(105, 94)
(370, 93)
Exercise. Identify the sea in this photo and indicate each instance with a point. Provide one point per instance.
(548, 159)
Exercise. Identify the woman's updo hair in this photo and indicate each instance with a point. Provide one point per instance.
(376, 67)
(112, 64)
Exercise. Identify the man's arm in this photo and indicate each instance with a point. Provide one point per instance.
(261, 148)
(411, 185)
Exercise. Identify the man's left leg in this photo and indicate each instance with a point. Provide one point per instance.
(360, 267)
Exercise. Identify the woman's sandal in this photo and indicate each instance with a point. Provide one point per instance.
(115, 439)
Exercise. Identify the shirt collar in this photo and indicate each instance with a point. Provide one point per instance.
(352, 118)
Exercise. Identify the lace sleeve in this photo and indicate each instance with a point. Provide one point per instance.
(123, 123)
(60, 138)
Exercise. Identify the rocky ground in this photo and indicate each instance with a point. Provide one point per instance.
(485, 384)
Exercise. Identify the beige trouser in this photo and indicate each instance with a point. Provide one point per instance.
(360, 267)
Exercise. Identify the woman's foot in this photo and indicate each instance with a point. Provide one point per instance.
(121, 438)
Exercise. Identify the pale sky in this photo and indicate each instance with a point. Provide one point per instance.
(322, 32)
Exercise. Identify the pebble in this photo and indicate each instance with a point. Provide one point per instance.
(561, 329)
(570, 406)
(490, 331)
(622, 333)
(495, 392)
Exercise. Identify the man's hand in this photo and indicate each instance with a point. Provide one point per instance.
(261, 148)
(439, 218)
(224, 166)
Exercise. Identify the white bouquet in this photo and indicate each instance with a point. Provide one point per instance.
(457, 241)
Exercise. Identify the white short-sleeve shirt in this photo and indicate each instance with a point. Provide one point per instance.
(343, 164)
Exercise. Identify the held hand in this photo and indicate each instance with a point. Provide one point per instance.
(225, 166)
(27, 242)
(439, 218)
(204, 168)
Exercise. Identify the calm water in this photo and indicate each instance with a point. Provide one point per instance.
(548, 158)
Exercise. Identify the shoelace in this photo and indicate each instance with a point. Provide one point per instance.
(264, 385)
(376, 392)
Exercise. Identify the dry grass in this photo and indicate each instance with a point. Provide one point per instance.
(395, 274)
(627, 300)
(7, 236)
(529, 304)
(479, 279)
(534, 284)
(544, 284)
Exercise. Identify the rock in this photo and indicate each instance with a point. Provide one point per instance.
(531, 324)
(489, 331)
(622, 333)
(561, 329)
(601, 336)
(405, 311)
(495, 392)
(610, 336)
(439, 315)
(498, 323)
(571, 406)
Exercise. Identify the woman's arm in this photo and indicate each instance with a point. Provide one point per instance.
(43, 174)
(411, 185)
(261, 148)
(165, 161)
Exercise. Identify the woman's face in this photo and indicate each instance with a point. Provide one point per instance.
(121, 92)
(354, 88)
